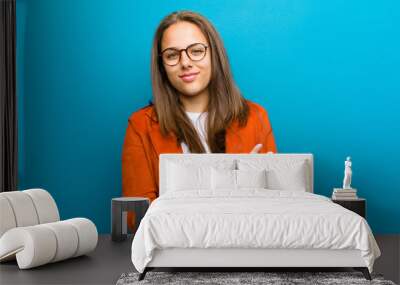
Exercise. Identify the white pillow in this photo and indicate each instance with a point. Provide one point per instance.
(223, 178)
(251, 178)
(288, 179)
(237, 179)
(281, 174)
(182, 177)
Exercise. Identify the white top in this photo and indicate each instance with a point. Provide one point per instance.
(199, 122)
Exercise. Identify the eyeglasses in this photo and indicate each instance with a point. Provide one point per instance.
(172, 56)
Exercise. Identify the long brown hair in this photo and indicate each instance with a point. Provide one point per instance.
(225, 104)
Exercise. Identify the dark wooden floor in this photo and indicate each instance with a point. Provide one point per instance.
(103, 266)
(110, 260)
(389, 262)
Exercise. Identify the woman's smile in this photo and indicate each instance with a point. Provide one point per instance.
(189, 77)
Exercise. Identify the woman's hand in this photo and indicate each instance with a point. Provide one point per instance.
(257, 148)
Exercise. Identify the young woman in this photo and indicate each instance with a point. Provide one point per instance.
(196, 107)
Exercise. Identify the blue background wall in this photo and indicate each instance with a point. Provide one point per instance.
(326, 71)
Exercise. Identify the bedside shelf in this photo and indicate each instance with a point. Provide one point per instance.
(358, 206)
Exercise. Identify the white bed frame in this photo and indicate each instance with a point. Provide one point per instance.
(246, 258)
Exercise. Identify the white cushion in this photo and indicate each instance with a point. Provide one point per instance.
(87, 234)
(26, 208)
(294, 178)
(183, 177)
(45, 205)
(177, 172)
(23, 208)
(282, 174)
(251, 178)
(228, 179)
(246, 161)
(67, 239)
(7, 218)
(32, 246)
(223, 179)
(40, 244)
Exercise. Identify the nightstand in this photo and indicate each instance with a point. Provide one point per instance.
(119, 208)
(357, 206)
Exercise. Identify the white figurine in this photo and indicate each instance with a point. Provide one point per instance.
(347, 173)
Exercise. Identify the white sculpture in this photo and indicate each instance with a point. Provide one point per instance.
(347, 173)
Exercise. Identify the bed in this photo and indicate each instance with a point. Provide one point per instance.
(247, 210)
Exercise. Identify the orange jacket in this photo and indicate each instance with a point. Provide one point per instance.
(144, 143)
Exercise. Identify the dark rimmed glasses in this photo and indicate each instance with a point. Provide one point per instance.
(172, 56)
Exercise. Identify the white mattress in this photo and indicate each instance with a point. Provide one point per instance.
(252, 218)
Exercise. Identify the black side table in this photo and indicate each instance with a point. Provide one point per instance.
(357, 206)
(119, 208)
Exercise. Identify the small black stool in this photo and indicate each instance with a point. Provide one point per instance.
(119, 208)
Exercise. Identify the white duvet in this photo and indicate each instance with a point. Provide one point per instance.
(251, 218)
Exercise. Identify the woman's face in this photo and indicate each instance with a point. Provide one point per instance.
(189, 77)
